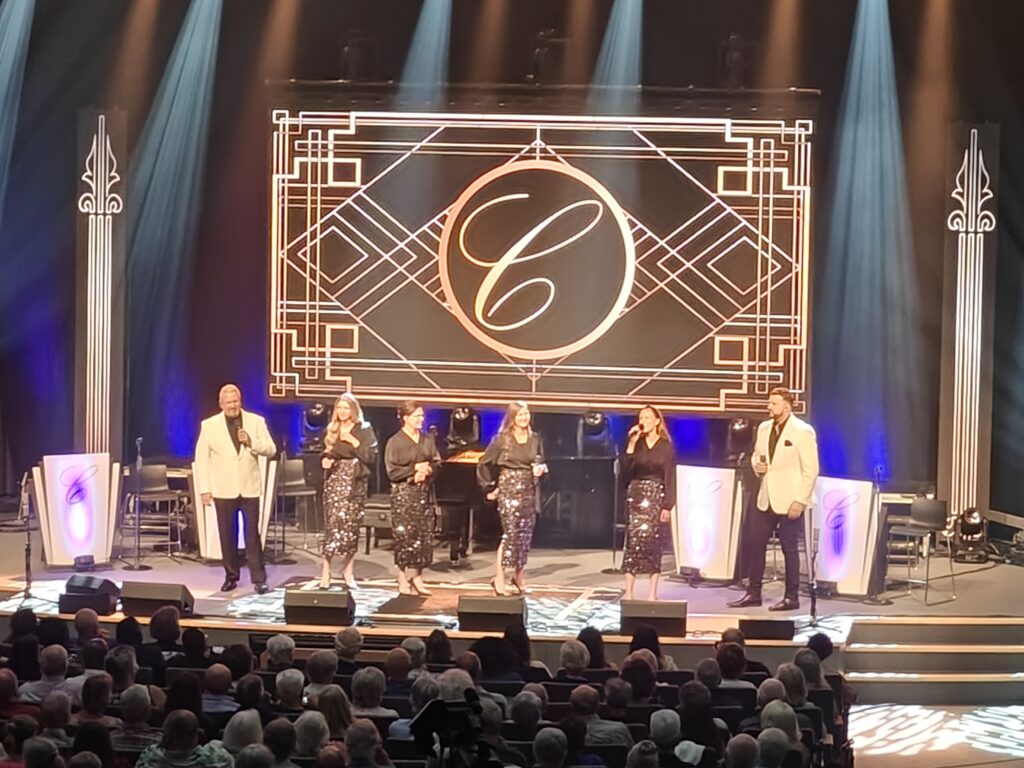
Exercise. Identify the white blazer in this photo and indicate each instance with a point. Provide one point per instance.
(793, 471)
(220, 469)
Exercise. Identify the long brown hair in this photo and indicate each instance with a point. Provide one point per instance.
(334, 428)
(662, 429)
(509, 421)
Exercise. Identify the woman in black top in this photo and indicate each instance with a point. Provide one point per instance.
(350, 451)
(508, 473)
(411, 458)
(649, 467)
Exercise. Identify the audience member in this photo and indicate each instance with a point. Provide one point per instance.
(709, 673)
(732, 663)
(779, 714)
(244, 728)
(165, 629)
(348, 644)
(397, 667)
(288, 684)
(665, 729)
(23, 659)
(280, 653)
(330, 757)
(19, 730)
(741, 752)
(618, 694)
(249, 694)
(279, 738)
(807, 661)
(85, 760)
(135, 734)
(92, 657)
(498, 660)
(129, 632)
(822, 646)
(573, 660)
(644, 754)
(217, 698)
(699, 730)
(585, 702)
(491, 722)
(333, 703)
(94, 737)
(180, 746)
(439, 648)
(122, 668)
(311, 734)
(641, 676)
(454, 683)
(773, 746)
(362, 742)
(321, 667)
(594, 640)
(794, 682)
(538, 690)
(417, 651)
(424, 689)
(368, 686)
(53, 666)
(10, 707)
(518, 640)
(575, 729)
(646, 637)
(550, 748)
(194, 651)
(239, 659)
(733, 635)
(41, 752)
(470, 663)
(53, 631)
(54, 718)
(23, 623)
(524, 710)
(87, 626)
(254, 756)
(95, 700)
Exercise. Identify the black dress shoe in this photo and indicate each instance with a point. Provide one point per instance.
(786, 604)
(262, 589)
(229, 585)
(747, 601)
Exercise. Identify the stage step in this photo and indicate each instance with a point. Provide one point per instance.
(936, 660)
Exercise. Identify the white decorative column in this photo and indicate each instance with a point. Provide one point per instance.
(966, 408)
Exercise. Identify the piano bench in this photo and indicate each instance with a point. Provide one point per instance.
(378, 518)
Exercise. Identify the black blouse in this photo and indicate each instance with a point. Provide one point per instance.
(366, 452)
(402, 454)
(657, 463)
(505, 452)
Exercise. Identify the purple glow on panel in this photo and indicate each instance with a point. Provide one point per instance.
(837, 507)
(702, 497)
(78, 513)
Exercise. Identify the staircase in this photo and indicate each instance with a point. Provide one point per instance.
(936, 660)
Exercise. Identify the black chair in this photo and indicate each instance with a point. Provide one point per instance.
(153, 490)
(612, 755)
(437, 669)
(535, 675)
(400, 704)
(560, 692)
(383, 725)
(676, 677)
(345, 681)
(402, 749)
(638, 731)
(377, 518)
(667, 695)
(927, 517)
(293, 485)
(731, 715)
(746, 698)
(825, 700)
(173, 673)
(526, 747)
(755, 677)
(507, 688)
(600, 676)
(641, 713)
(513, 732)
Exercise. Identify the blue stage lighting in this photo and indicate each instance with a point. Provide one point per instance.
(426, 67)
(15, 29)
(618, 74)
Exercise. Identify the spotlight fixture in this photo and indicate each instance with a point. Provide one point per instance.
(315, 419)
(593, 435)
(738, 440)
(463, 430)
(971, 537)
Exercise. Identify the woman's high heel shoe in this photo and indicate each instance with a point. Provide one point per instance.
(498, 592)
(420, 589)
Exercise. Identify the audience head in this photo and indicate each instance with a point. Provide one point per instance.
(334, 705)
(665, 729)
(469, 663)
(732, 660)
(23, 622)
(733, 635)
(181, 728)
(438, 648)
(94, 737)
(808, 662)
(453, 684)
(96, 693)
(93, 653)
(128, 631)
(821, 644)
(618, 693)
(311, 734)
(639, 674)
(497, 657)
(398, 664)
(135, 705)
(348, 643)
(288, 685)
(121, 666)
(696, 723)
(53, 631)
(772, 746)
(87, 625)
(575, 729)
(490, 717)
(362, 739)
(417, 651)
(778, 714)
(540, 692)
(741, 752)
(584, 700)
(254, 756)
(550, 748)
(368, 686)
(164, 626)
(795, 683)
(279, 738)
(525, 709)
(24, 658)
(53, 662)
(594, 640)
(193, 642)
(244, 728)
(321, 667)
(39, 752)
(281, 650)
(770, 690)
(643, 754)
(8, 686)
(55, 711)
(709, 673)
(518, 640)
(646, 636)
(217, 679)
(238, 658)
(185, 693)
(20, 729)
(694, 696)
(329, 757)
(424, 690)
(249, 691)
(573, 657)
(85, 760)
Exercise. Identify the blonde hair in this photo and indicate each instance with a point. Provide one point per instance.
(509, 420)
(334, 428)
(662, 429)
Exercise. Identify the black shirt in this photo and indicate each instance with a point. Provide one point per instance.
(402, 454)
(657, 463)
(505, 452)
(366, 453)
(234, 424)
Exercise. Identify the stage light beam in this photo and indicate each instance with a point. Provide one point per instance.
(618, 74)
(426, 66)
(15, 30)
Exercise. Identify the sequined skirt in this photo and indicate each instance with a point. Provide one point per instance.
(644, 500)
(344, 506)
(517, 507)
(412, 525)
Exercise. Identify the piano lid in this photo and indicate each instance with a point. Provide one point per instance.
(466, 457)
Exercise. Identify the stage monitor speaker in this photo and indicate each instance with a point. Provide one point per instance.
(767, 629)
(490, 614)
(668, 617)
(94, 592)
(140, 598)
(319, 607)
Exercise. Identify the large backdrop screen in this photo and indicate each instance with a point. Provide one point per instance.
(570, 261)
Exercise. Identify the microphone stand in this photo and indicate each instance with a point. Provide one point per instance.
(812, 560)
(137, 565)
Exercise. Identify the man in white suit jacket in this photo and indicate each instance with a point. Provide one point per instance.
(785, 457)
(228, 474)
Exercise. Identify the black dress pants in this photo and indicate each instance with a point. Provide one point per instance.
(227, 526)
(760, 529)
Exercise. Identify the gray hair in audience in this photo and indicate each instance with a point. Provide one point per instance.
(85, 759)
(525, 709)
(288, 684)
(573, 657)
(53, 662)
(135, 704)
(55, 710)
(741, 751)
(311, 734)
(490, 717)
(362, 739)
(39, 752)
(791, 676)
(254, 756)
(772, 746)
(585, 700)
(665, 728)
(368, 686)
(540, 692)
(617, 693)
(321, 667)
(778, 714)
(453, 683)
(244, 728)
(424, 689)
(121, 665)
(550, 748)
(709, 673)
(348, 643)
(280, 649)
(643, 754)
(770, 690)
(417, 651)
(810, 664)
